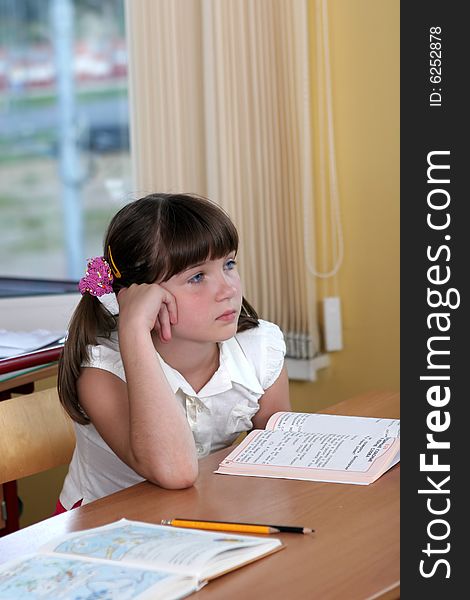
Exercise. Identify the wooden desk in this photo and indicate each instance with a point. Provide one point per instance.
(24, 383)
(39, 364)
(353, 554)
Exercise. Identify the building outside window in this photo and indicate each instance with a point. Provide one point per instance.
(64, 132)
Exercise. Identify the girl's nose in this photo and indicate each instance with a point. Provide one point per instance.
(226, 288)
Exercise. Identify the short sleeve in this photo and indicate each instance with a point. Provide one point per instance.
(106, 358)
(265, 348)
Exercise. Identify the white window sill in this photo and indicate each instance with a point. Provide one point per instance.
(306, 369)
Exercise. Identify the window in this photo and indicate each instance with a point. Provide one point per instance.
(64, 135)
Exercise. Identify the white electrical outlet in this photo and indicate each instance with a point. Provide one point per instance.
(333, 329)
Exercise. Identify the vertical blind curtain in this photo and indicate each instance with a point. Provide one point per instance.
(220, 106)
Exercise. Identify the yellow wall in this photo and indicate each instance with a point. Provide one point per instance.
(365, 51)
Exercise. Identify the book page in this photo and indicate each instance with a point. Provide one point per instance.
(332, 451)
(170, 548)
(55, 577)
(321, 423)
(15, 343)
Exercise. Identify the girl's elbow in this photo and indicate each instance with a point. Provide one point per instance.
(176, 479)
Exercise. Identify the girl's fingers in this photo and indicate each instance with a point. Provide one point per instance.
(151, 302)
(170, 303)
(164, 329)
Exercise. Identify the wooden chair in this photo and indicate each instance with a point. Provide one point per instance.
(36, 435)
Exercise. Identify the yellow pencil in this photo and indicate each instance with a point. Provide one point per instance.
(236, 527)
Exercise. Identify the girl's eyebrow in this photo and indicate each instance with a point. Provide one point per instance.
(196, 266)
(202, 263)
(185, 271)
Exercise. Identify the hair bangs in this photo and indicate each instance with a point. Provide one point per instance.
(197, 233)
(160, 235)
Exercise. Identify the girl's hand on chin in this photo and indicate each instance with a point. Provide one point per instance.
(148, 306)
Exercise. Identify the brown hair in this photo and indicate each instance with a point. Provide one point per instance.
(151, 239)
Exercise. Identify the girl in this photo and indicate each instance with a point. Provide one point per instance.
(185, 366)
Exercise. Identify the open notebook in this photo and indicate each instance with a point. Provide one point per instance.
(129, 559)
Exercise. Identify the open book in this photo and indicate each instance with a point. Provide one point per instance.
(317, 447)
(16, 343)
(130, 559)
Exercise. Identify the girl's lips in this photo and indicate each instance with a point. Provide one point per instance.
(228, 315)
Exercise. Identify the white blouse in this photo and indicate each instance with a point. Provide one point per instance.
(250, 363)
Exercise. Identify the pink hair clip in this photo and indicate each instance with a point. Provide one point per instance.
(98, 278)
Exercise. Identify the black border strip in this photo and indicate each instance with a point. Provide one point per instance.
(434, 255)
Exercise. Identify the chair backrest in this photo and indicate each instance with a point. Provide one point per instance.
(36, 434)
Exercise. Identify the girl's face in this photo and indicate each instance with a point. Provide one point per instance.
(208, 299)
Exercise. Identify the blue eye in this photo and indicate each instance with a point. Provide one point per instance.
(230, 264)
(196, 278)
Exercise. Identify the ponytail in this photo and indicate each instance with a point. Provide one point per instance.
(90, 319)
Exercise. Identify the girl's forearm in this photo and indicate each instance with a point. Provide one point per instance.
(160, 439)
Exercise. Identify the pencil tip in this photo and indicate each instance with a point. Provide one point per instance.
(308, 530)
